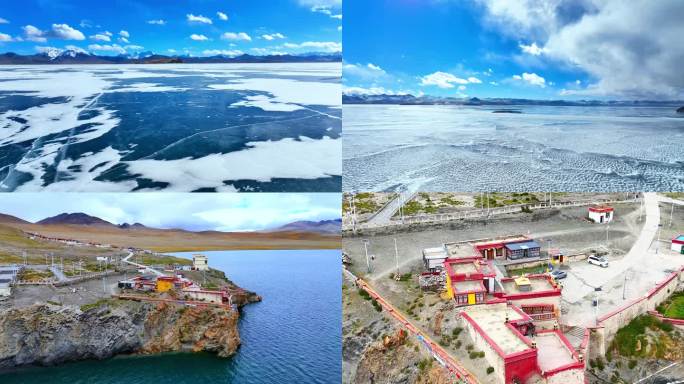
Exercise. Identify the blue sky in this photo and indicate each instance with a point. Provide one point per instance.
(540, 49)
(191, 211)
(197, 27)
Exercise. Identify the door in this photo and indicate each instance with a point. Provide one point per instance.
(471, 298)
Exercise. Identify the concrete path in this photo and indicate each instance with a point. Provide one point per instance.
(583, 279)
(146, 268)
(384, 216)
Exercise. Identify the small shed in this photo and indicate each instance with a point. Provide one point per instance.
(678, 244)
(601, 214)
(433, 258)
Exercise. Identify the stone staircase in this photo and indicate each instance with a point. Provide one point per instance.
(575, 335)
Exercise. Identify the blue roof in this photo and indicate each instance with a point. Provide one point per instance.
(522, 245)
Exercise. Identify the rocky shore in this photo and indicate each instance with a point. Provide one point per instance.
(50, 333)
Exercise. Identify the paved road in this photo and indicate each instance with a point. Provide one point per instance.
(384, 216)
(146, 268)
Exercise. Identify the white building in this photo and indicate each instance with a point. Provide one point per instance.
(200, 262)
(601, 214)
(433, 258)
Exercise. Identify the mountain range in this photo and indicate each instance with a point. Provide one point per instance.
(70, 56)
(82, 219)
(408, 99)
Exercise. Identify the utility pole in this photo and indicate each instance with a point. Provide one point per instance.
(365, 247)
(624, 287)
(396, 259)
(607, 228)
(671, 213)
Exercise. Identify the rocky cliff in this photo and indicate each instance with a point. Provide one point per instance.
(46, 334)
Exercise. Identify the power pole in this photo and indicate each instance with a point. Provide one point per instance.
(671, 213)
(365, 247)
(396, 258)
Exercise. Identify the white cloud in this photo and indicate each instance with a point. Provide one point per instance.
(273, 36)
(532, 49)
(100, 37)
(198, 19)
(107, 48)
(3, 21)
(124, 40)
(32, 33)
(134, 47)
(631, 48)
(494, 83)
(5, 38)
(197, 37)
(65, 32)
(326, 11)
(156, 22)
(265, 51)
(321, 3)
(531, 78)
(124, 34)
(222, 16)
(327, 46)
(446, 80)
(461, 87)
(370, 91)
(369, 71)
(171, 50)
(224, 52)
(239, 36)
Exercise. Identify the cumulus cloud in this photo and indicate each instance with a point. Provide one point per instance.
(224, 52)
(5, 38)
(100, 37)
(222, 16)
(134, 47)
(3, 21)
(272, 36)
(124, 34)
(32, 33)
(446, 80)
(326, 46)
(532, 49)
(531, 78)
(354, 91)
(198, 19)
(239, 36)
(115, 48)
(631, 48)
(197, 37)
(65, 32)
(369, 71)
(156, 22)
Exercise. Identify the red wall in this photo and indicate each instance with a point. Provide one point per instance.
(520, 366)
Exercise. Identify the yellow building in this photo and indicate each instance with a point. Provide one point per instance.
(164, 283)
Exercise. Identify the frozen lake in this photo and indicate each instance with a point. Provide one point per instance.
(177, 127)
(462, 148)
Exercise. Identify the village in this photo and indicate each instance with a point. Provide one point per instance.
(112, 272)
(538, 290)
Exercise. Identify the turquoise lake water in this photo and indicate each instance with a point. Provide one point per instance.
(293, 336)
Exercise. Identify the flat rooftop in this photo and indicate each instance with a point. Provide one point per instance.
(467, 285)
(552, 352)
(463, 268)
(435, 253)
(461, 250)
(537, 284)
(491, 318)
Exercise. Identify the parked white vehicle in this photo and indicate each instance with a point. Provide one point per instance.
(598, 260)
